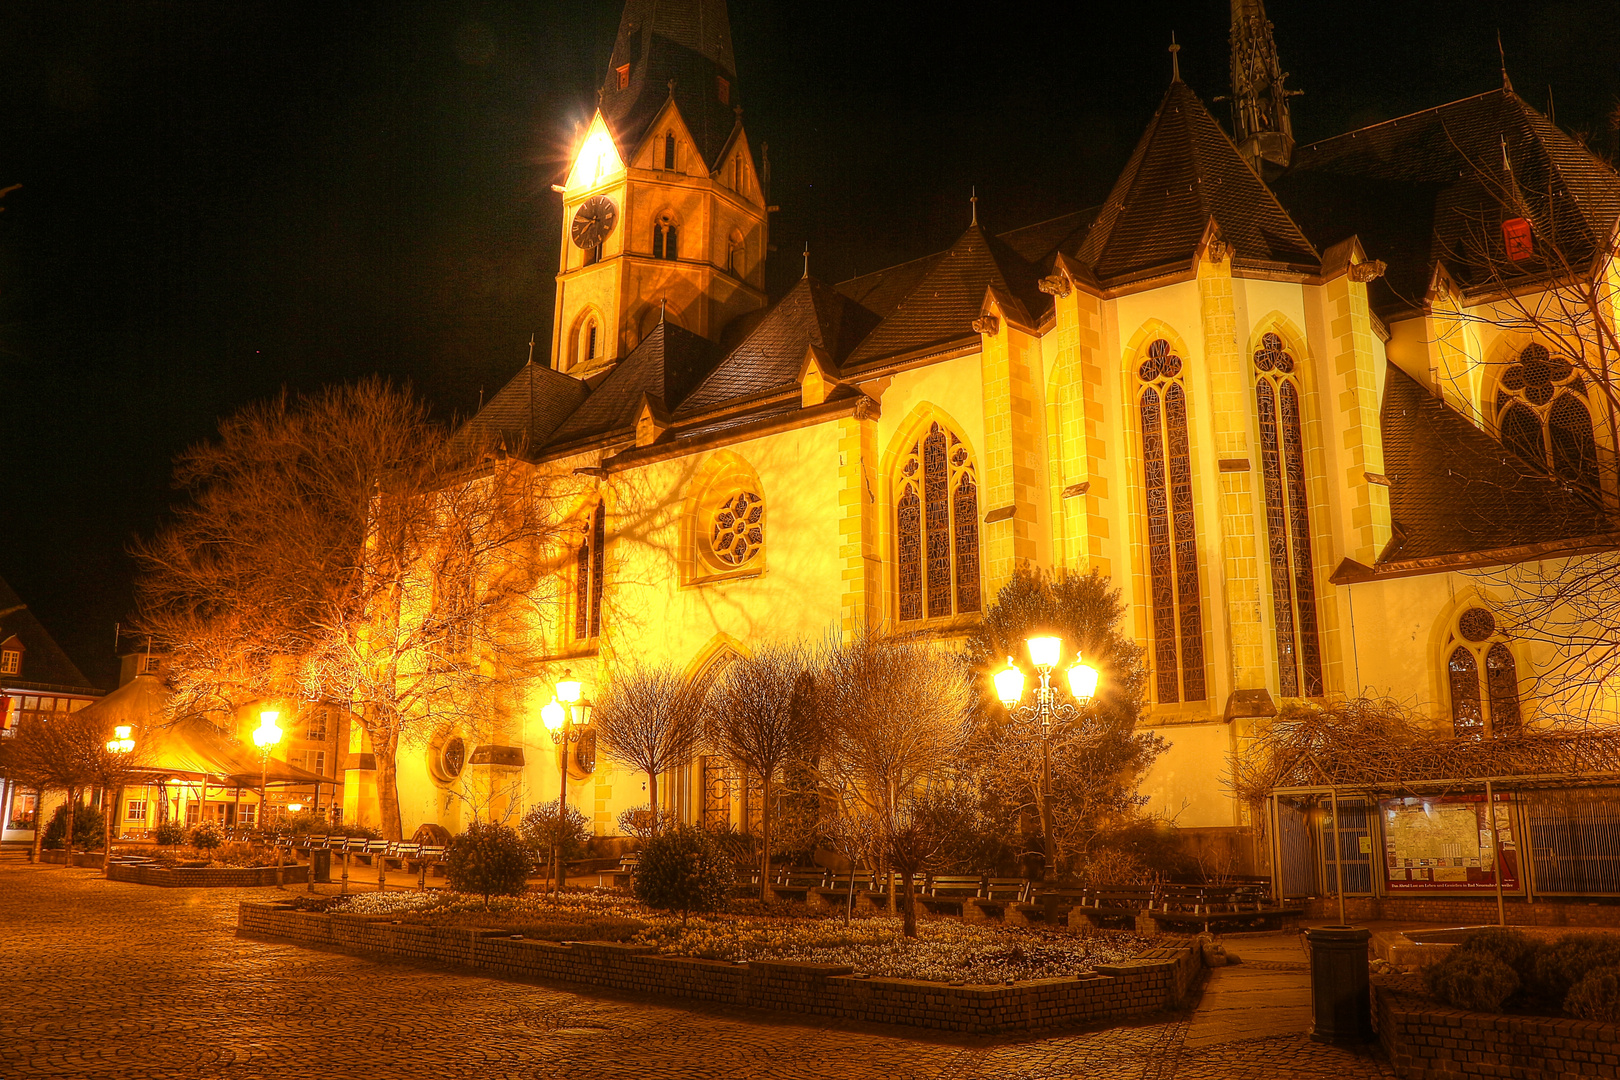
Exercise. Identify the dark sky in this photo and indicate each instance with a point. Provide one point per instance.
(224, 199)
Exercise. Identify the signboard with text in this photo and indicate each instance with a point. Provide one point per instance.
(1444, 844)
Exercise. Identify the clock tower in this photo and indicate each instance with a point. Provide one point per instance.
(664, 207)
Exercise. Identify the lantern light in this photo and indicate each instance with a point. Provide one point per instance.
(268, 733)
(1083, 681)
(552, 715)
(1010, 684)
(1044, 652)
(568, 690)
(295, 807)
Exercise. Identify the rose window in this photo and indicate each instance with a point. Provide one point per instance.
(739, 528)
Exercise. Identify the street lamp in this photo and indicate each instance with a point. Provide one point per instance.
(267, 735)
(564, 716)
(121, 743)
(1045, 652)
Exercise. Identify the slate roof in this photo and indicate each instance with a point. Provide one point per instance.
(1455, 490)
(770, 357)
(1431, 187)
(948, 295)
(667, 365)
(688, 41)
(1184, 171)
(1039, 242)
(527, 410)
(44, 664)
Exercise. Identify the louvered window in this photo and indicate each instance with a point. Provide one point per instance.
(1288, 526)
(937, 529)
(1178, 626)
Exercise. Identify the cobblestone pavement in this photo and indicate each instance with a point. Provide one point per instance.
(105, 979)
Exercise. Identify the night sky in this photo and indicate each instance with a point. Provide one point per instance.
(224, 199)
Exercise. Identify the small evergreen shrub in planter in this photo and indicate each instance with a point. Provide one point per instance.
(1596, 996)
(683, 869)
(206, 837)
(488, 859)
(87, 828)
(170, 834)
(1477, 981)
(1558, 966)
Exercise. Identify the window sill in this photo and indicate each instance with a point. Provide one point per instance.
(584, 648)
(941, 627)
(744, 573)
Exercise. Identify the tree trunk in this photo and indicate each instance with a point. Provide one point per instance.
(107, 809)
(765, 836)
(39, 826)
(383, 751)
(652, 798)
(69, 821)
(910, 925)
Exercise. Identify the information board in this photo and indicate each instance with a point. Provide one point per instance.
(1444, 844)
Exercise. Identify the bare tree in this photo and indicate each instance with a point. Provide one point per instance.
(650, 718)
(761, 714)
(342, 547)
(897, 712)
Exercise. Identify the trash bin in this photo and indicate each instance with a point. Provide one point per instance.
(320, 864)
(1341, 1009)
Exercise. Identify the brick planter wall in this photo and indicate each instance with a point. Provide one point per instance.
(1466, 910)
(1426, 1040)
(209, 877)
(80, 858)
(1116, 991)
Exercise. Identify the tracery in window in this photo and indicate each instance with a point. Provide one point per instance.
(1288, 526)
(1178, 634)
(665, 236)
(1476, 646)
(588, 575)
(937, 528)
(738, 533)
(1543, 416)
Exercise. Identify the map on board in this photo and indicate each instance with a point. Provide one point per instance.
(1435, 832)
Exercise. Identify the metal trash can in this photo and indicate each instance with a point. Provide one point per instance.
(320, 864)
(1341, 1007)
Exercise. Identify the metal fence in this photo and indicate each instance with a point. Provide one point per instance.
(1574, 840)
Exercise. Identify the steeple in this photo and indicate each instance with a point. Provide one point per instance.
(678, 49)
(1260, 124)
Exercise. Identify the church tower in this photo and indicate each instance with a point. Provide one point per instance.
(1260, 124)
(664, 210)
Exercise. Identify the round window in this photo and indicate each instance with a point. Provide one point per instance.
(452, 757)
(739, 529)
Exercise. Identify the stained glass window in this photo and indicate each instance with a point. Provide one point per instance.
(1176, 597)
(738, 533)
(1542, 415)
(588, 573)
(937, 528)
(1288, 523)
(1477, 641)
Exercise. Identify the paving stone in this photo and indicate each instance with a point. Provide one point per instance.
(108, 979)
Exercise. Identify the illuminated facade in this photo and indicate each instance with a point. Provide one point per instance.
(1281, 437)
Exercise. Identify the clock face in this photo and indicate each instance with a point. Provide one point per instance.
(593, 221)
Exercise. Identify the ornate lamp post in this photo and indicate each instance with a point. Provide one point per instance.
(121, 743)
(565, 717)
(267, 735)
(1044, 653)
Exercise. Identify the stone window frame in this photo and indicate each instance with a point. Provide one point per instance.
(719, 481)
(1483, 651)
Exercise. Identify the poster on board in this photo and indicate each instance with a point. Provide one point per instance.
(1443, 844)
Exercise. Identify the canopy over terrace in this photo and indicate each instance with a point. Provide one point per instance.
(191, 749)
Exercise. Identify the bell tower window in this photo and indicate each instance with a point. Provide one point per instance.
(665, 237)
(669, 151)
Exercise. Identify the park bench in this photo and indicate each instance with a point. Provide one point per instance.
(998, 895)
(793, 885)
(945, 894)
(835, 894)
(626, 871)
(1227, 908)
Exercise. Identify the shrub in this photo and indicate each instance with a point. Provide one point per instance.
(206, 836)
(543, 830)
(1596, 996)
(489, 859)
(684, 869)
(1477, 981)
(87, 828)
(1559, 966)
(305, 823)
(638, 821)
(1508, 946)
(170, 834)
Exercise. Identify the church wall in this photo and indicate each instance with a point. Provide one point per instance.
(1188, 783)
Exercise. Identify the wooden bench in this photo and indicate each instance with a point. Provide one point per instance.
(836, 894)
(998, 896)
(796, 884)
(945, 894)
(626, 870)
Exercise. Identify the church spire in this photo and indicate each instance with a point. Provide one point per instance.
(1260, 122)
(673, 49)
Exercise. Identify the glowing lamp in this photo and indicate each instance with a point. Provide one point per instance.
(553, 716)
(568, 690)
(121, 742)
(1044, 652)
(268, 733)
(295, 807)
(1083, 681)
(1010, 684)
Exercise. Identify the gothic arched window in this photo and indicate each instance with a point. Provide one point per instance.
(1488, 705)
(937, 528)
(1542, 415)
(734, 254)
(665, 236)
(588, 566)
(1178, 626)
(1288, 525)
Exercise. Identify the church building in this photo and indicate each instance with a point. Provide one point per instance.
(1276, 392)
